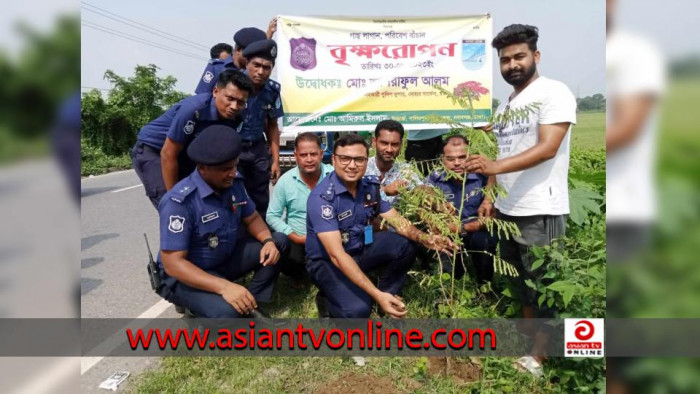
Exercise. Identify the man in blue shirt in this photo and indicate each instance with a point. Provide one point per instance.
(467, 197)
(158, 156)
(200, 221)
(260, 121)
(233, 59)
(341, 245)
(287, 210)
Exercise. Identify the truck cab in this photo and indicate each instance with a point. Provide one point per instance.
(287, 159)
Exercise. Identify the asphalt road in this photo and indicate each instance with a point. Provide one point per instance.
(113, 281)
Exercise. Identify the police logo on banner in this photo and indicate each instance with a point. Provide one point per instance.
(177, 224)
(327, 212)
(208, 76)
(189, 127)
(473, 54)
(303, 55)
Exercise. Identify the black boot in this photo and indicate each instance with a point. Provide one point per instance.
(321, 305)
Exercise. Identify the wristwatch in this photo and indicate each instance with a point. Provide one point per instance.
(266, 240)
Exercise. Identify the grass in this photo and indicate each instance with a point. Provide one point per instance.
(589, 131)
(312, 374)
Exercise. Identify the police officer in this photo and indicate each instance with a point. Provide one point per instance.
(200, 220)
(233, 59)
(158, 156)
(468, 193)
(260, 121)
(341, 245)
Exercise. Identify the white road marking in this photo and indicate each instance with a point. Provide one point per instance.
(156, 310)
(126, 188)
(87, 178)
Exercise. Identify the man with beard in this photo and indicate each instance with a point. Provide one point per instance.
(392, 175)
(260, 122)
(467, 196)
(342, 246)
(158, 156)
(532, 166)
(287, 210)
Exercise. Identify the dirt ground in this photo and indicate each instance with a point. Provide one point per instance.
(460, 371)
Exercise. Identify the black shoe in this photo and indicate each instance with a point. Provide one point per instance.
(180, 309)
(321, 305)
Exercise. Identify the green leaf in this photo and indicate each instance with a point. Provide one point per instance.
(561, 286)
(541, 299)
(550, 302)
(537, 252)
(537, 264)
(582, 201)
(507, 293)
(568, 295)
(530, 284)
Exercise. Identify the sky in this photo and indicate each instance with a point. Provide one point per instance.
(572, 33)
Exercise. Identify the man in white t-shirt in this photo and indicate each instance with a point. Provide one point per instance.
(532, 164)
(635, 77)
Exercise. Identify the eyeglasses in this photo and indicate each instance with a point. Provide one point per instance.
(345, 160)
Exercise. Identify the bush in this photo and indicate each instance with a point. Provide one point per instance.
(95, 162)
(112, 124)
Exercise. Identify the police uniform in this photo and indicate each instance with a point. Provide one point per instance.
(182, 122)
(331, 207)
(195, 219)
(470, 198)
(264, 105)
(210, 76)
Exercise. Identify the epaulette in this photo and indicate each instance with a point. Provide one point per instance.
(372, 179)
(274, 85)
(180, 193)
(329, 193)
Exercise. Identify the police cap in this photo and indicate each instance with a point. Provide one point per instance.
(266, 49)
(248, 35)
(216, 144)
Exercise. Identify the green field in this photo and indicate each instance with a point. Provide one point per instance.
(589, 131)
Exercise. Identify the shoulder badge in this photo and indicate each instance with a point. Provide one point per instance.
(189, 127)
(326, 211)
(177, 224)
(208, 76)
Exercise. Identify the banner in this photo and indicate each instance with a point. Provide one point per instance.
(348, 73)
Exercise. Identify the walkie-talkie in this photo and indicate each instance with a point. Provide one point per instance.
(152, 267)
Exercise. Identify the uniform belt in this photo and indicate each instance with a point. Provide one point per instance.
(147, 147)
(249, 143)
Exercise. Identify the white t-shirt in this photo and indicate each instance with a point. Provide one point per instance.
(634, 67)
(542, 189)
